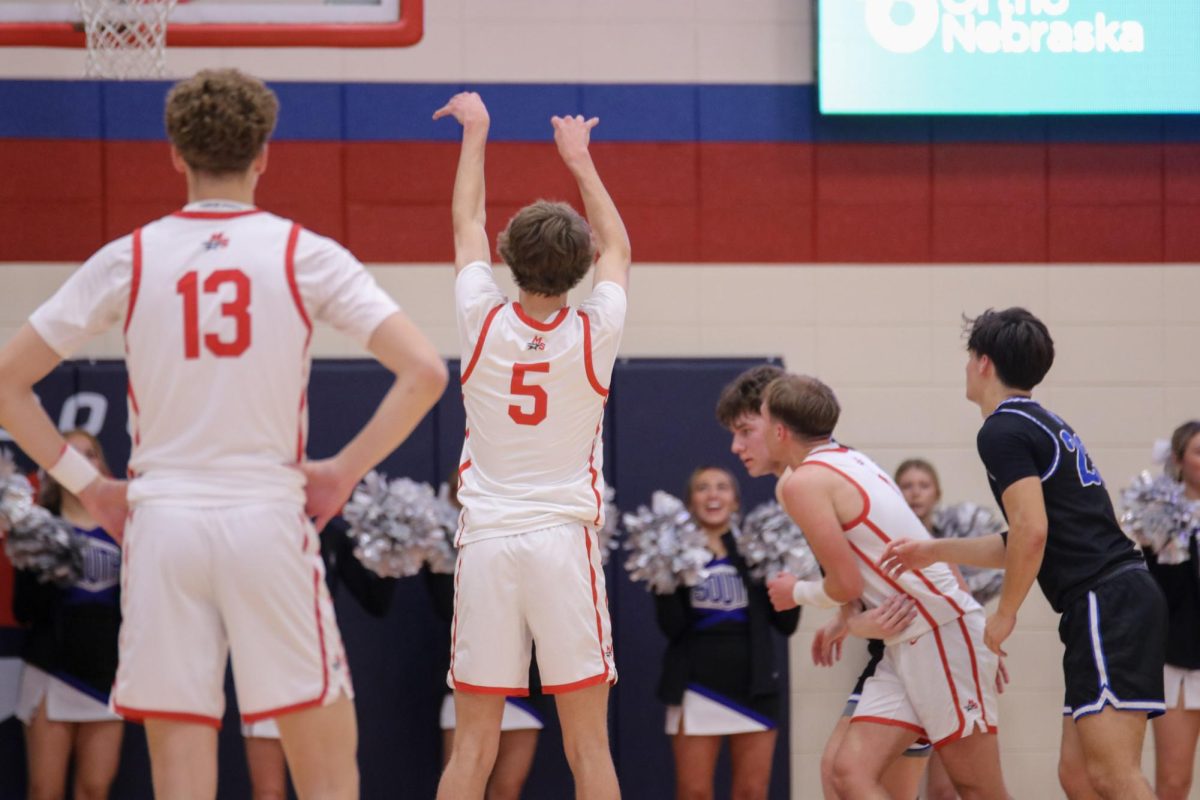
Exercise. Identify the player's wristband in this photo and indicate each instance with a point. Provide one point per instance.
(72, 471)
(812, 593)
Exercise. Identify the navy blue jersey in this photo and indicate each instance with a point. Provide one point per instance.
(720, 600)
(1084, 543)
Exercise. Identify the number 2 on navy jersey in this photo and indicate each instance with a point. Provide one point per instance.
(237, 309)
(521, 388)
(1088, 474)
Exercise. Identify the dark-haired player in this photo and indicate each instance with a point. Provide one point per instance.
(535, 382)
(1062, 530)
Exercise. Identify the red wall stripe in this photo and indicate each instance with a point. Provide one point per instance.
(684, 202)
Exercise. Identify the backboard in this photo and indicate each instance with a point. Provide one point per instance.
(234, 23)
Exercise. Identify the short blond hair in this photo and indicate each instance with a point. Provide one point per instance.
(805, 405)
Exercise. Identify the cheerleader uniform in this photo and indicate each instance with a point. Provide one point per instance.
(719, 675)
(1181, 585)
(70, 648)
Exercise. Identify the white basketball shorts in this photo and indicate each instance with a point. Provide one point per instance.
(941, 685)
(545, 586)
(201, 584)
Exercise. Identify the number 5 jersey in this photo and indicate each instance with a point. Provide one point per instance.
(534, 393)
(217, 302)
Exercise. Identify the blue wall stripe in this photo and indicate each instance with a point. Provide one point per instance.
(50, 109)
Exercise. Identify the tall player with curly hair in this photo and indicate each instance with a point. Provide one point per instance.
(217, 302)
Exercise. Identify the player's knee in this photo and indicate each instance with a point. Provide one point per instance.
(848, 776)
(46, 789)
(1112, 781)
(827, 760)
(1170, 786)
(504, 787)
(692, 789)
(263, 793)
(92, 789)
(752, 788)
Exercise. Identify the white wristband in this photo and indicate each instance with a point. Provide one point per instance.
(72, 471)
(812, 593)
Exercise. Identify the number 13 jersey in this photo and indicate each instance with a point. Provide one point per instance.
(217, 301)
(534, 393)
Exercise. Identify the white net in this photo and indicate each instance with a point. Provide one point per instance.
(126, 39)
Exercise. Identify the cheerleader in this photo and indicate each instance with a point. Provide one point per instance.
(1176, 731)
(719, 678)
(70, 655)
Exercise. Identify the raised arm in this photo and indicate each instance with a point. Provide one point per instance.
(572, 135)
(467, 205)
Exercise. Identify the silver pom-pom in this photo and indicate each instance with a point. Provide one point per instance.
(772, 543)
(1159, 517)
(394, 524)
(443, 554)
(969, 521)
(608, 534)
(16, 493)
(667, 549)
(36, 540)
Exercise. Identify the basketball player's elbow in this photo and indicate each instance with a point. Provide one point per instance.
(844, 586)
(428, 377)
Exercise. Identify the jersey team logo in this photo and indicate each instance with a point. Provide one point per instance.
(971, 706)
(537, 343)
(217, 240)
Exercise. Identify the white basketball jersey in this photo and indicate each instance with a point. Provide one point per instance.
(534, 393)
(886, 516)
(218, 301)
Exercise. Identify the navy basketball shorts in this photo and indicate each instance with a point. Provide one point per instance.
(1116, 638)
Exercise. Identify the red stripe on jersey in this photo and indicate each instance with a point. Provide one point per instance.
(454, 617)
(954, 737)
(893, 722)
(483, 332)
(133, 403)
(874, 567)
(541, 326)
(560, 688)
(595, 475)
(215, 214)
(587, 541)
(300, 427)
(507, 691)
(864, 519)
(135, 281)
(587, 355)
(290, 266)
(142, 714)
(320, 698)
(974, 669)
(866, 499)
(962, 721)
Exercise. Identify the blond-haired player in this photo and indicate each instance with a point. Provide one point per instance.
(220, 558)
(937, 679)
(535, 380)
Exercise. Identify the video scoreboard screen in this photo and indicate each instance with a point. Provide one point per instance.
(1008, 56)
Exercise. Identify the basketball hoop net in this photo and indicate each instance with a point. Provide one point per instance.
(126, 39)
